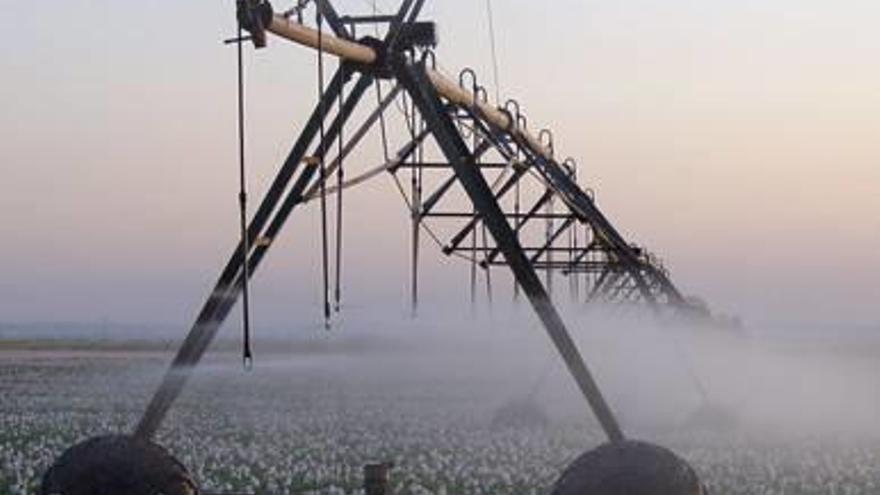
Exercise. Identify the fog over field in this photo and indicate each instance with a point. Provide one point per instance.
(776, 414)
(725, 155)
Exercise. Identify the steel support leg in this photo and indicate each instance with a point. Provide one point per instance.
(222, 299)
(415, 80)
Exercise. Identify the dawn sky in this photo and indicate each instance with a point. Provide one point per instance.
(739, 140)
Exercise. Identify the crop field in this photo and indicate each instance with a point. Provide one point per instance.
(309, 426)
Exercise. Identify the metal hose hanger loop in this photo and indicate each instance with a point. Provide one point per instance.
(572, 166)
(546, 138)
(480, 94)
(515, 105)
(512, 109)
(467, 71)
(429, 53)
(511, 119)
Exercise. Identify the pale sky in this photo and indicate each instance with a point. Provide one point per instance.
(739, 140)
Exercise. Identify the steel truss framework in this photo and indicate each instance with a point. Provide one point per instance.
(574, 238)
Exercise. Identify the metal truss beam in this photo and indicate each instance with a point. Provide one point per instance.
(432, 109)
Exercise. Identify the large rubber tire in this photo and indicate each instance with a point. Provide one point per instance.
(117, 465)
(628, 468)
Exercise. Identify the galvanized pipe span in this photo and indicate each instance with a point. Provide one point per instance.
(304, 35)
(362, 54)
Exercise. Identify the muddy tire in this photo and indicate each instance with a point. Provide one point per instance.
(117, 465)
(631, 468)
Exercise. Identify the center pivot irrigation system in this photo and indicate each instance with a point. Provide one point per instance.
(476, 142)
(523, 207)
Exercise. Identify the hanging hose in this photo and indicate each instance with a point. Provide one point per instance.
(247, 355)
(340, 177)
(478, 90)
(323, 175)
(416, 178)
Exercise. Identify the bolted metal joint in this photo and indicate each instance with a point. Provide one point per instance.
(421, 34)
(254, 16)
(380, 67)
